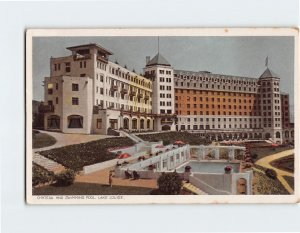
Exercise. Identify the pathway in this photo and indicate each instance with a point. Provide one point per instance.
(63, 139)
(266, 162)
(101, 177)
(48, 164)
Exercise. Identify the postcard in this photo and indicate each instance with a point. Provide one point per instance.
(166, 116)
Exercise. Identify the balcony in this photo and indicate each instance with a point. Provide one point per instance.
(114, 88)
(102, 58)
(46, 108)
(147, 97)
(132, 93)
(140, 96)
(77, 57)
(166, 121)
(124, 91)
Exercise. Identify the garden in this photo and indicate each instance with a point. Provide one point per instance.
(171, 137)
(40, 140)
(77, 156)
(40, 175)
(285, 163)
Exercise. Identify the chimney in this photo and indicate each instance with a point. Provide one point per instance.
(147, 59)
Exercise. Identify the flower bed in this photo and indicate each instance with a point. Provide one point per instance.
(172, 137)
(40, 175)
(77, 156)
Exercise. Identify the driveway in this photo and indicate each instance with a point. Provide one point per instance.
(63, 139)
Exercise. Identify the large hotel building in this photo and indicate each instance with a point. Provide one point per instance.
(86, 93)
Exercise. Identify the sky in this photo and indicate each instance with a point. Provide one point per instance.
(241, 56)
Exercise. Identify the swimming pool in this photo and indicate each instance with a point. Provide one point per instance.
(209, 166)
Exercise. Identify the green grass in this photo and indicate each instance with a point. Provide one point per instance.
(290, 180)
(266, 151)
(266, 185)
(40, 140)
(40, 175)
(171, 137)
(91, 189)
(285, 163)
(77, 156)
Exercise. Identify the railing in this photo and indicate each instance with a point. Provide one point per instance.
(104, 59)
(147, 97)
(114, 87)
(132, 93)
(140, 96)
(206, 187)
(46, 108)
(82, 57)
(124, 91)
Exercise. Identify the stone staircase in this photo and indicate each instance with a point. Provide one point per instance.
(48, 164)
(191, 188)
(132, 137)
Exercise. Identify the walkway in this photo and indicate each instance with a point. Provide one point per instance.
(266, 162)
(101, 177)
(48, 164)
(63, 139)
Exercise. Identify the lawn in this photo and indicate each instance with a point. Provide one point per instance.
(290, 180)
(285, 163)
(91, 189)
(266, 151)
(40, 140)
(77, 156)
(267, 186)
(171, 137)
(40, 175)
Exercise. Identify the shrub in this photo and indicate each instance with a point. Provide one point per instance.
(40, 175)
(169, 183)
(65, 178)
(271, 173)
(254, 156)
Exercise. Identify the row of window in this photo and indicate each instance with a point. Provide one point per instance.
(162, 79)
(163, 103)
(218, 113)
(163, 72)
(212, 79)
(212, 86)
(162, 88)
(163, 95)
(217, 106)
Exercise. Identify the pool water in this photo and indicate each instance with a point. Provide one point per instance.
(209, 167)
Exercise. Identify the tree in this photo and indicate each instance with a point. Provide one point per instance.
(65, 178)
(169, 183)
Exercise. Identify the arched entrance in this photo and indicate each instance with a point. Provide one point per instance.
(242, 186)
(142, 122)
(165, 127)
(148, 123)
(126, 123)
(75, 121)
(134, 123)
(277, 134)
(53, 122)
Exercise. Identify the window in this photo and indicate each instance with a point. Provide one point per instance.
(50, 88)
(75, 87)
(99, 123)
(75, 101)
(68, 67)
(56, 100)
(75, 121)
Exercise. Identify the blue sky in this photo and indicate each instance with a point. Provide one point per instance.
(241, 56)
